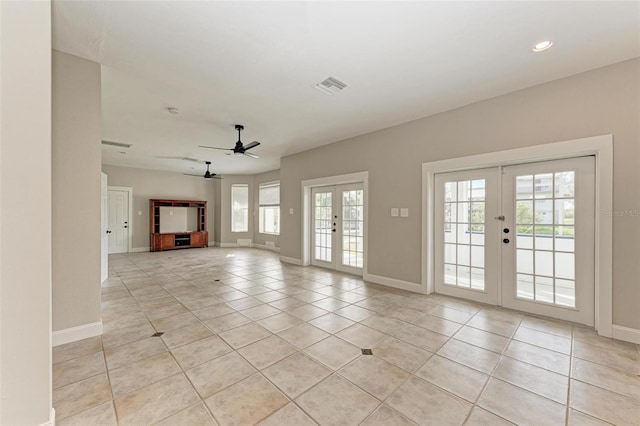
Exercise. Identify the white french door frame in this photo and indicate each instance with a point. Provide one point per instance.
(307, 206)
(599, 146)
(129, 192)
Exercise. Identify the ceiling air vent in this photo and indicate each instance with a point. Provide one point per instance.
(118, 144)
(331, 85)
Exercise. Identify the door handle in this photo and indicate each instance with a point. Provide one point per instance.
(126, 226)
(108, 232)
(333, 230)
(506, 241)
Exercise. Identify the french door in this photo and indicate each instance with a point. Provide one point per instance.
(338, 227)
(520, 236)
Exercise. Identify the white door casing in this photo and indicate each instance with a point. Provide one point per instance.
(599, 146)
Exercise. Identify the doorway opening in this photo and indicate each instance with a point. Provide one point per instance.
(601, 149)
(520, 236)
(335, 222)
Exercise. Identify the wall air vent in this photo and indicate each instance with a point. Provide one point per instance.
(118, 144)
(331, 85)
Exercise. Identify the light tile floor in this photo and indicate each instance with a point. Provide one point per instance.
(247, 339)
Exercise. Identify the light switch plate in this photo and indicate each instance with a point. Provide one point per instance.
(394, 212)
(290, 211)
(404, 212)
(139, 212)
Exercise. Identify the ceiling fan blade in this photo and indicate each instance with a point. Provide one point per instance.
(251, 145)
(217, 177)
(248, 154)
(191, 174)
(214, 147)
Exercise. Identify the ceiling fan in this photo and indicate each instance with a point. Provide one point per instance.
(239, 149)
(207, 175)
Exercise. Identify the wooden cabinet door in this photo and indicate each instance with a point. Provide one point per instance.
(198, 239)
(167, 241)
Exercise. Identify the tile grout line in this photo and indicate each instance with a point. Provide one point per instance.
(491, 375)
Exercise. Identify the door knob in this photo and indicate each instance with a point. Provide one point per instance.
(506, 241)
(505, 230)
(333, 230)
(108, 232)
(126, 226)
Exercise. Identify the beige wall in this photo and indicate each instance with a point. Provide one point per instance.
(76, 159)
(25, 213)
(259, 238)
(178, 219)
(148, 184)
(601, 101)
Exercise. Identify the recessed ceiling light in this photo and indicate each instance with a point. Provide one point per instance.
(541, 46)
(173, 110)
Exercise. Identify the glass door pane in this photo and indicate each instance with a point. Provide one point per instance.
(352, 227)
(545, 215)
(323, 225)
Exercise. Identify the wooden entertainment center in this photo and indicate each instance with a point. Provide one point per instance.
(177, 240)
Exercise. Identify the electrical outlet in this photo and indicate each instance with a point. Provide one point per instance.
(394, 212)
(404, 212)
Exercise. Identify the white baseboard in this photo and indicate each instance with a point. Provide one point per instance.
(291, 260)
(392, 282)
(265, 247)
(74, 334)
(140, 249)
(213, 244)
(52, 418)
(627, 334)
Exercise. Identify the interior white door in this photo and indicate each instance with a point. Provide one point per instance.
(338, 240)
(533, 250)
(548, 246)
(467, 231)
(104, 215)
(118, 221)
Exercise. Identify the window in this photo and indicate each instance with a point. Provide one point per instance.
(239, 208)
(269, 208)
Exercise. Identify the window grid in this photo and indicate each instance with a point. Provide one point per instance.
(323, 226)
(352, 228)
(545, 245)
(464, 225)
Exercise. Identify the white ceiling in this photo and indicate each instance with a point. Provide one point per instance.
(256, 63)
